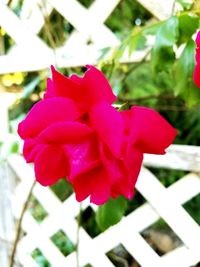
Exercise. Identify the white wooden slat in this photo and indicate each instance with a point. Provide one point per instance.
(160, 9)
(142, 252)
(88, 23)
(10, 22)
(189, 232)
(181, 157)
(138, 220)
(32, 15)
(41, 240)
(85, 21)
(181, 256)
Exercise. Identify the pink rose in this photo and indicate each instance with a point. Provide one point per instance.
(196, 75)
(75, 132)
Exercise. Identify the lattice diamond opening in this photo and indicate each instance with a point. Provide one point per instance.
(120, 257)
(64, 244)
(161, 238)
(193, 208)
(88, 222)
(39, 258)
(37, 210)
(62, 189)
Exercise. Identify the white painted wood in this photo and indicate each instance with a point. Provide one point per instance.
(177, 157)
(31, 53)
(160, 9)
(162, 202)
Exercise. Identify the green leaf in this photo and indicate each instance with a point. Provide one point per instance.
(184, 68)
(163, 54)
(187, 27)
(133, 42)
(111, 212)
(30, 87)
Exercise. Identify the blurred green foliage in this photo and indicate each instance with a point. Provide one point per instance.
(63, 243)
(37, 210)
(40, 258)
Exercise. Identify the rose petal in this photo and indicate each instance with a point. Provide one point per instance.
(76, 78)
(64, 132)
(31, 149)
(86, 91)
(150, 132)
(122, 173)
(45, 113)
(94, 184)
(83, 156)
(50, 165)
(198, 39)
(96, 86)
(50, 90)
(196, 75)
(108, 124)
(65, 87)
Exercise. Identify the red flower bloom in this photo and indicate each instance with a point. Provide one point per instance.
(196, 75)
(74, 132)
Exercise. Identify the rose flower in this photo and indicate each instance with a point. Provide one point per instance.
(76, 133)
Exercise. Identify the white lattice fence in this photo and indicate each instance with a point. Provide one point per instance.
(165, 203)
(30, 52)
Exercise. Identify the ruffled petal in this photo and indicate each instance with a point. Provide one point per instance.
(150, 132)
(50, 165)
(50, 90)
(31, 149)
(83, 156)
(64, 132)
(122, 174)
(94, 184)
(108, 124)
(63, 86)
(198, 39)
(86, 91)
(196, 74)
(96, 86)
(45, 113)
(76, 78)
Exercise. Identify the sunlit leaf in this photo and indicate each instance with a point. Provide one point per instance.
(30, 87)
(187, 27)
(163, 54)
(111, 212)
(183, 75)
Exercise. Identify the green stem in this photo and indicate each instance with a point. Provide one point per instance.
(18, 228)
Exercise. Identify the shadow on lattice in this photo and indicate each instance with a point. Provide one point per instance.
(161, 237)
(197, 265)
(120, 257)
